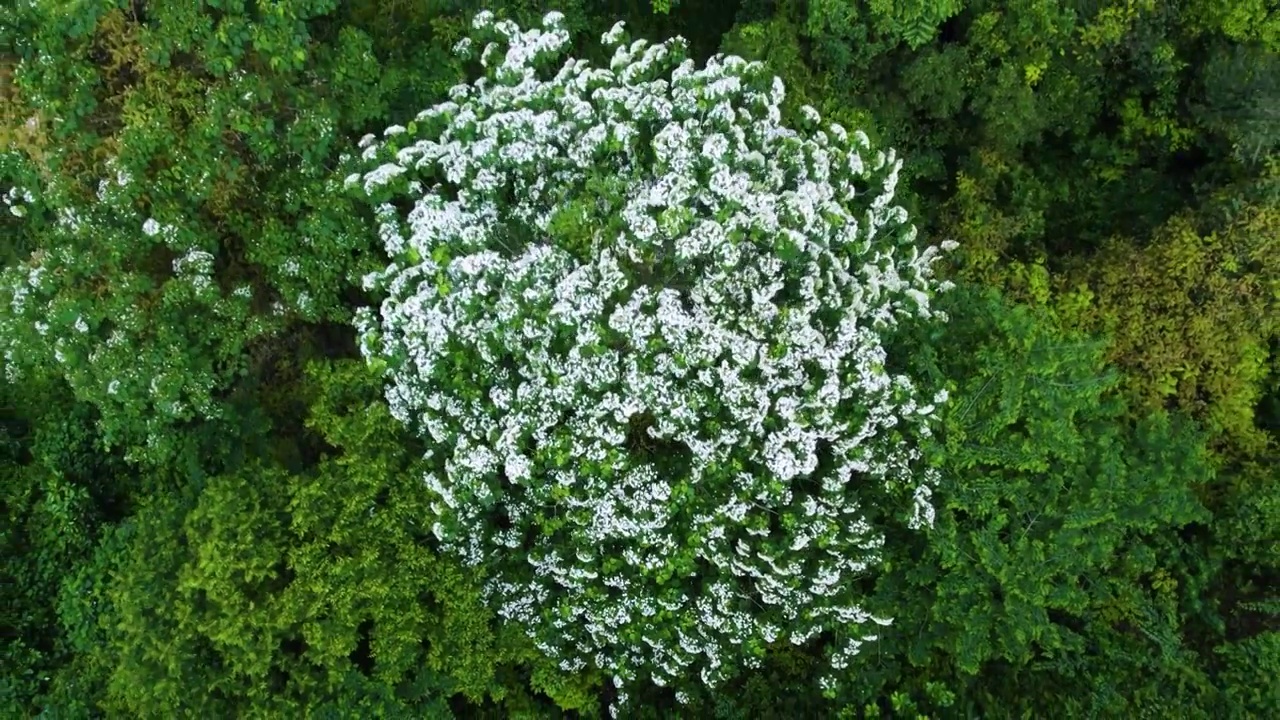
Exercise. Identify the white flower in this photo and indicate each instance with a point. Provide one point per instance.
(731, 316)
(614, 35)
(194, 262)
(381, 176)
(922, 512)
(151, 227)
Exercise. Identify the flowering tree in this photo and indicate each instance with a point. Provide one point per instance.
(640, 322)
(171, 223)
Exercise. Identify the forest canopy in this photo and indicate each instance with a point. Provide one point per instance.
(652, 359)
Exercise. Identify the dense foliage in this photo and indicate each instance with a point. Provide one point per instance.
(214, 504)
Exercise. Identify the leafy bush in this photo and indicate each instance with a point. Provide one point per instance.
(1053, 537)
(263, 593)
(1193, 314)
(639, 321)
(56, 491)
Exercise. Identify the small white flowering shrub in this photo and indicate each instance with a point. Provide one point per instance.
(640, 321)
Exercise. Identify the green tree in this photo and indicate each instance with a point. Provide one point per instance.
(264, 592)
(1192, 313)
(182, 211)
(58, 490)
(1036, 130)
(1054, 580)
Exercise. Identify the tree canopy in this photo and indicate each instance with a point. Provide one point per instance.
(429, 358)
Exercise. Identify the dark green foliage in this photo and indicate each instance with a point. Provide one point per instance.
(1242, 99)
(1054, 545)
(1249, 678)
(1044, 127)
(57, 489)
(246, 535)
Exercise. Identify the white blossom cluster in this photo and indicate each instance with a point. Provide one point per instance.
(14, 199)
(640, 321)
